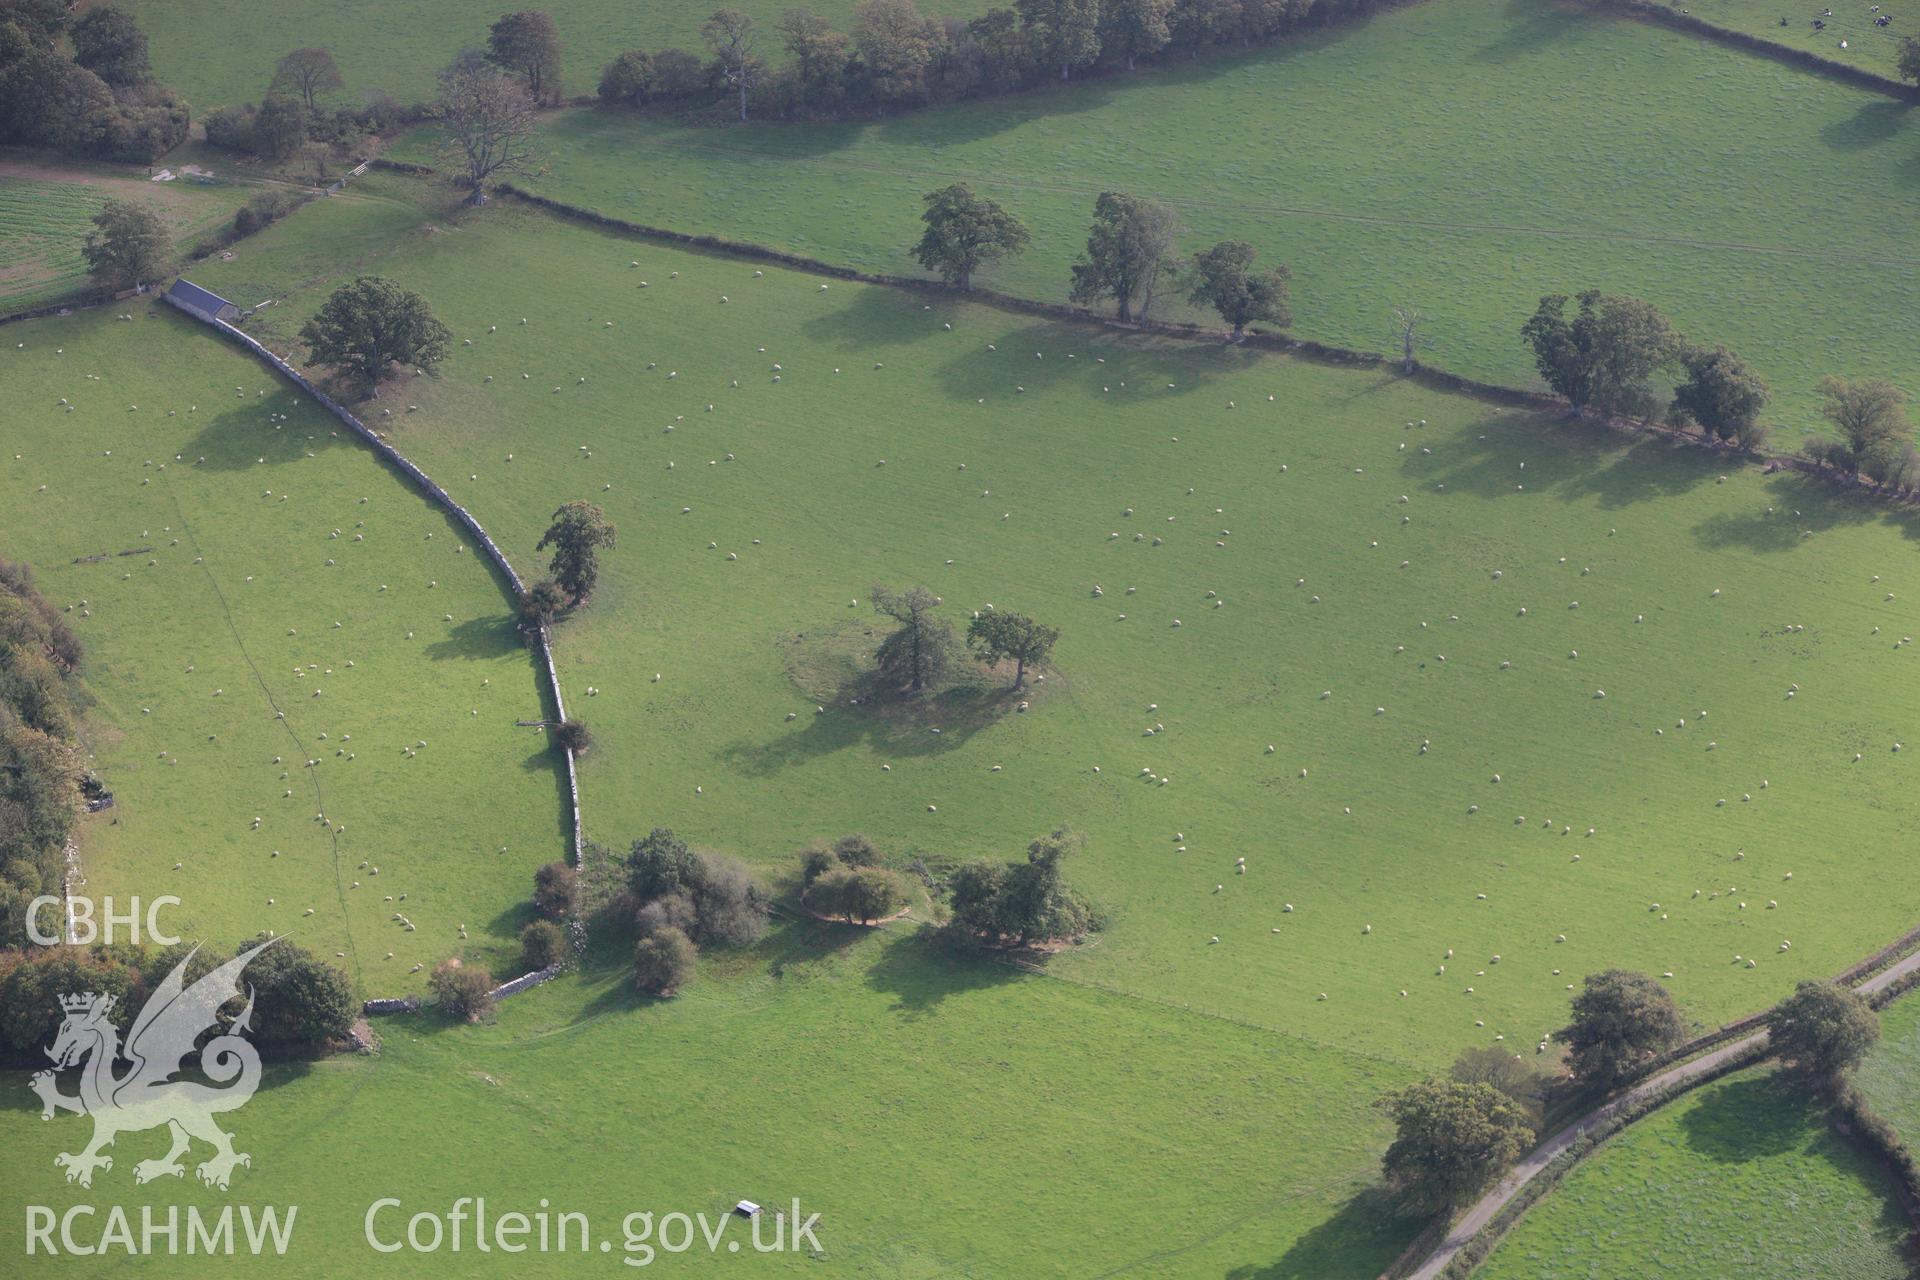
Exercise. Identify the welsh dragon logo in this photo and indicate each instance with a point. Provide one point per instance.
(146, 1095)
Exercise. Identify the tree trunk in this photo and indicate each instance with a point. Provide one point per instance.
(479, 196)
(1125, 312)
(1239, 332)
(966, 279)
(743, 102)
(1129, 62)
(1064, 69)
(1019, 673)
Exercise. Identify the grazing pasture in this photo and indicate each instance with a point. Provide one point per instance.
(1741, 1177)
(1869, 46)
(944, 1119)
(1461, 156)
(278, 627)
(1416, 600)
(1890, 1076)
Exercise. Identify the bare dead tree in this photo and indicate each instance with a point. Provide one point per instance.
(1406, 329)
(489, 124)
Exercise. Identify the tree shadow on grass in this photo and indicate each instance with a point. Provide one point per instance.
(1071, 356)
(1800, 504)
(1873, 123)
(920, 972)
(1751, 1119)
(1564, 459)
(832, 666)
(1367, 1233)
(477, 639)
(238, 434)
(1527, 29)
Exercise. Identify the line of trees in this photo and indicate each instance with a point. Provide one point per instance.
(83, 85)
(893, 55)
(41, 766)
(1132, 250)
(1605, 355)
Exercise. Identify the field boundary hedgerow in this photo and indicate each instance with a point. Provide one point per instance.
(472, 524)
(1307, 348)
(1858, 77)
(1458, 1254)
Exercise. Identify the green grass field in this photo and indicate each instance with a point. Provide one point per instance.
(1890, 1077)
(220, 52)
(1871, 48)
(1741, 1177)
(1628, 530)
(46, 213)
(945, 1120)
(224, 564)
(1461, 156)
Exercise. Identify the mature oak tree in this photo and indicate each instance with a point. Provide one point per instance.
(1823, 1030)
(1224, 279)
(372, 323)
(528, 43)
(964, 232)
(128, 245)
(1603, 357)
(306, 74)
(1620, 1019)
(1453, 1141)
(1129, 244)
(997, 636)
(578, 531)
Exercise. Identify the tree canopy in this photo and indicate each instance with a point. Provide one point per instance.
(1453, 1140)
(1130, 243)
(1721, 392)
(1604, 357)
(108, 43)
(578, 531)
(998, 636)
(306, 74)
(964, 232)
(489, 125)
(1020, 903)
(1620, 1019)
(1823, 1030)
(128, 245)
(918, 652)
(1224, 279)
(371, 323)
(731, 35)
(1871, 416)
(527, 43)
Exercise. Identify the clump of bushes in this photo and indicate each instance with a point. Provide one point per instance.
(263, 211)
(463, 990)
(698, 898)
(542, 944)
(573, 736)
(1021, 904)
(663, 961)
(847, 879)
(556, 890)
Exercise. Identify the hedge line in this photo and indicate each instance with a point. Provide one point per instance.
(1476, 1250)
(1649, 11)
